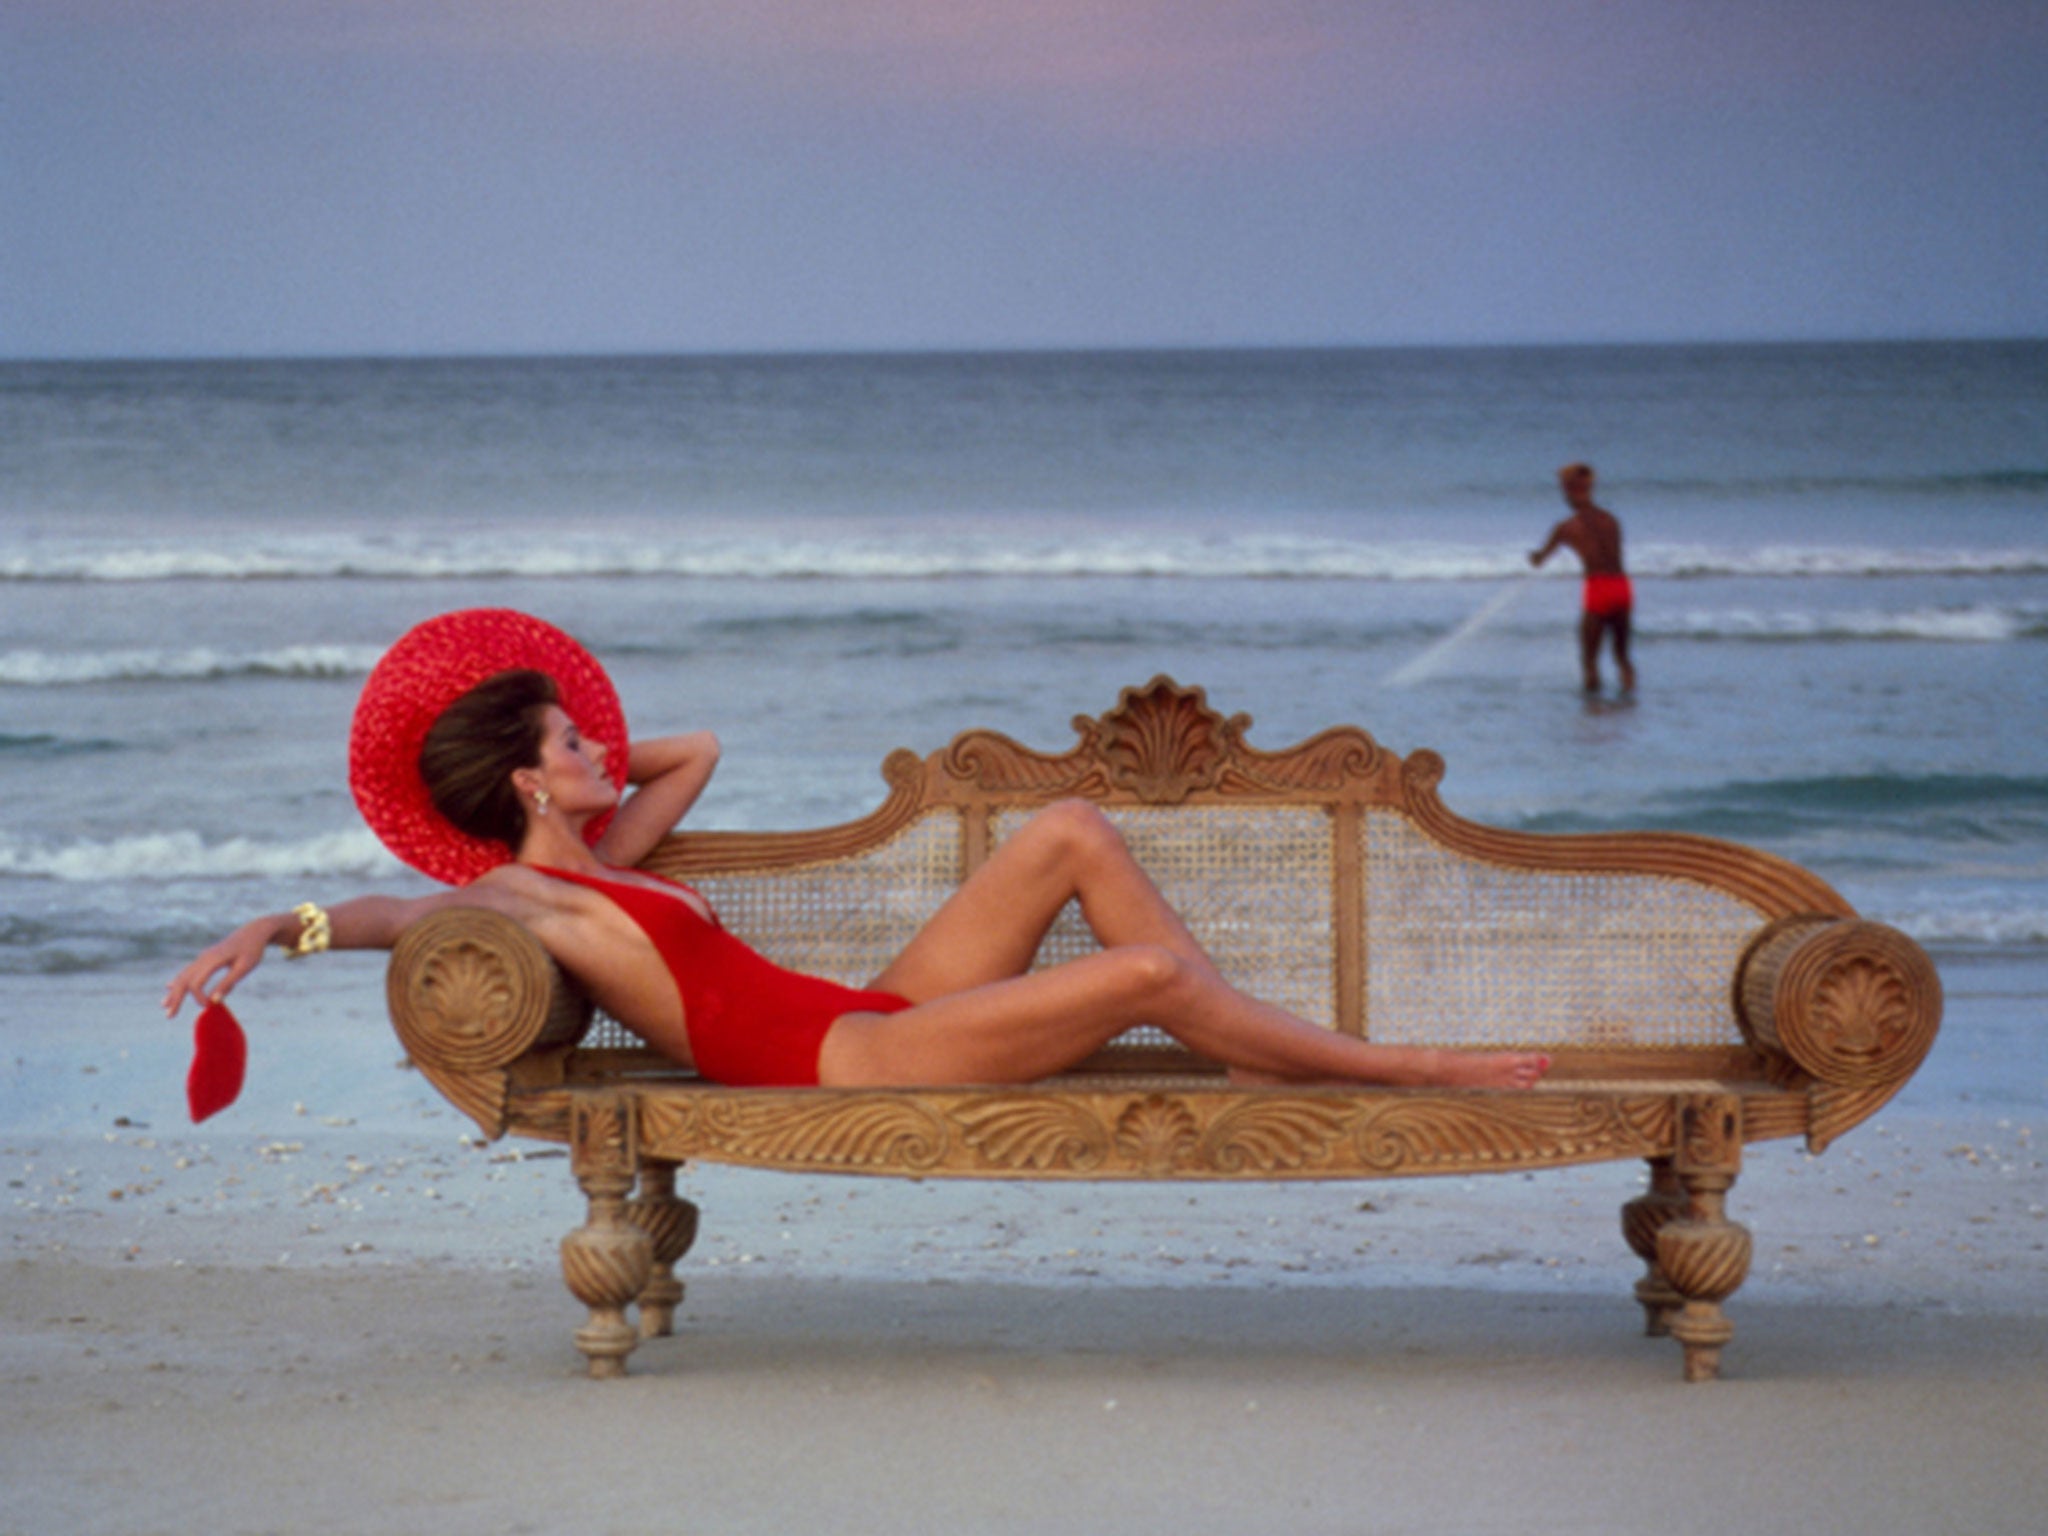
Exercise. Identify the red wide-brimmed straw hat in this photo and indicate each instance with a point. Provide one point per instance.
(433, 665)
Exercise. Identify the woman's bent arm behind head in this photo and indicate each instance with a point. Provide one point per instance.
(671, 772)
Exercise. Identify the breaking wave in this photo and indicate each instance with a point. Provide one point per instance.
(1147, 554)
(1977, 623)
(58, 669)
(188, 856)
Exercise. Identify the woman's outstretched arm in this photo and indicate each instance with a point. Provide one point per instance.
(366, 922)
(670, 773)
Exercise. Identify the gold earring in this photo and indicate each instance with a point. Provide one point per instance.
(540, 802)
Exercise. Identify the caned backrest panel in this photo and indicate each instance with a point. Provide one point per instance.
(1463, 952)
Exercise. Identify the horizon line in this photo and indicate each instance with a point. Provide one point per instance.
(1045, 349)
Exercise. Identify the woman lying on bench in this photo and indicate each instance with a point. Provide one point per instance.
(489, 750)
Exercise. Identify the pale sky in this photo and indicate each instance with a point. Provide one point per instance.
(290, 177)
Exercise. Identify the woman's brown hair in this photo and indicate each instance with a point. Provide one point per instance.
(479, 741)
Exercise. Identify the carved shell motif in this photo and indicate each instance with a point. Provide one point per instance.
(1157, 1133)
(1859, 1007)
(1163, 742)
(1863, 1014)
(463, 996)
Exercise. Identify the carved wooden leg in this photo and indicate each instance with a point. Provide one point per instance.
(671, 1226)
(1702, 1252)
(606, 1261)
(1641, 1220)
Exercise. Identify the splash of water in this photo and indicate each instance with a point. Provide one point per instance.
(1431, 661)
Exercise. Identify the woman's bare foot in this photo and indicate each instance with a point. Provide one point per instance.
(1488, 1069)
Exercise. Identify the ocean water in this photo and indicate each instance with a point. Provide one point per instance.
(1841, 560)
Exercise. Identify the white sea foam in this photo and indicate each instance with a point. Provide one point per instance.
(1813, 561)
(1977, 624)
(186, 855)
(56, 669)
(1991, 923)
(852, 556)
(1983, 623)
(870, 556)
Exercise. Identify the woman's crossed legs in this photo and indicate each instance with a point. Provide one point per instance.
(981, 1016)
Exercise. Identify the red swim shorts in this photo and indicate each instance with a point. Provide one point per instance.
(1609, 596)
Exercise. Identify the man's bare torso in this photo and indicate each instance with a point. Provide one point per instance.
(1594, 535)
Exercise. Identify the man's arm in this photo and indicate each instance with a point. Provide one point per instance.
(1561, 534)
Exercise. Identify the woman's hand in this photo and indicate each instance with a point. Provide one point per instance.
(237, 955)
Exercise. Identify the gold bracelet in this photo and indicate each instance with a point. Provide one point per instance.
(315, 932)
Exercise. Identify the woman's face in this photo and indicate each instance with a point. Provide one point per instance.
(572, 768)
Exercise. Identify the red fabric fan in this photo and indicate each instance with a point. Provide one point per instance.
(220, 1055)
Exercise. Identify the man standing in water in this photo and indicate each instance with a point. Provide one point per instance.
(1594, 535)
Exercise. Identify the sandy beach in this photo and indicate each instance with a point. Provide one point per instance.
(342, 1313)
(236, 1400)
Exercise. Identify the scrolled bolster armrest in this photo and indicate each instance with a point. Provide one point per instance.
(471, 991)
(1855, 1004)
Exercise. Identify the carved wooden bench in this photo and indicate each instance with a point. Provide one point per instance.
(1696, 996)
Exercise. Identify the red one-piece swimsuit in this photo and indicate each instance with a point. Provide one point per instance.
(752, 1023)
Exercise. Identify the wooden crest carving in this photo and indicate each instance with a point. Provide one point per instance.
(1162, 742)
(1161, 745)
